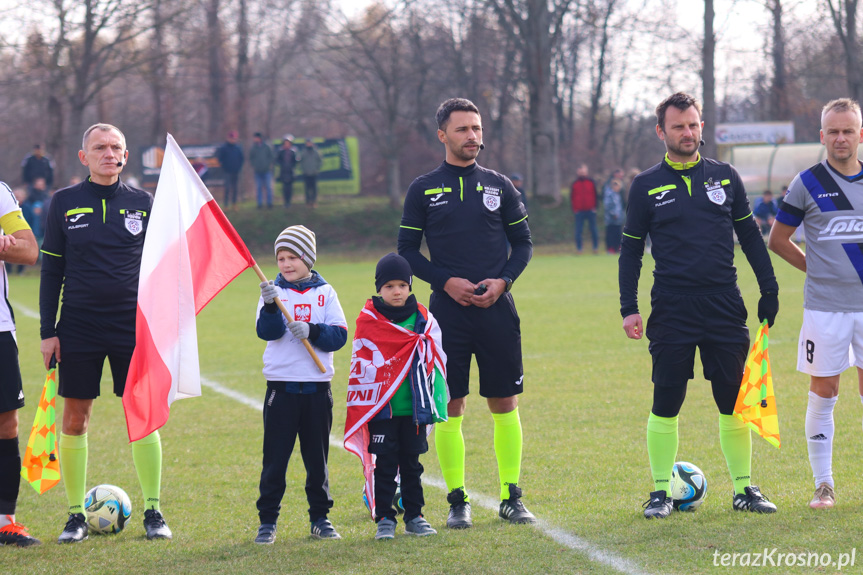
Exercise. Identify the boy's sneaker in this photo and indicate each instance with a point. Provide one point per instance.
(76, 529)
(752, 500)
(386, 529)
(16, 534)
(323, 529)
(513, 510)
(659, 505)
(155, 525)
(459, 510)
(824, 497)
(266, 534)
(419, 526)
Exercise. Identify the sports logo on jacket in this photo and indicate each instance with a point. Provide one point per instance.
(303, 312)
(490, 197)
(715, 192)
(134, 222)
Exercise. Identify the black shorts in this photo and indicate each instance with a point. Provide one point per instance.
(716, 324)
(398, 434)
(86, 339)
(11, 390)
(492, 334)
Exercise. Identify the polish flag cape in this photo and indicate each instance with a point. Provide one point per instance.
(191, 253)
(381, 358)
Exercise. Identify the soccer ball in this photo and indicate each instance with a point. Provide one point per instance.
(688, 486)
(108, 509)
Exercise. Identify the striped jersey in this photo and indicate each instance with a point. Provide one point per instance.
(11, 221)
(830, 207)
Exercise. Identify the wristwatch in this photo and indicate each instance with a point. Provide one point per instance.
(508, 283)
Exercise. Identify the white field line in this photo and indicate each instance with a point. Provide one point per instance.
(24, 310)
(574, 542)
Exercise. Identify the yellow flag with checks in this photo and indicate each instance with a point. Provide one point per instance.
(756, 402)
(41, 464)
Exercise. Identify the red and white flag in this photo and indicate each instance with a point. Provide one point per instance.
(191, 253)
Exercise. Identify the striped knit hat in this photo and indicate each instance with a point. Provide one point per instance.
(300, 241)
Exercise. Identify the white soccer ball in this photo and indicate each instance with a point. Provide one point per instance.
(688, 486)
(108, 509)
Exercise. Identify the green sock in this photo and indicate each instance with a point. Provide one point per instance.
(736, 443)
(507, 448)
(661, 449)
(147, 455)
(73, 465)
(449, 444)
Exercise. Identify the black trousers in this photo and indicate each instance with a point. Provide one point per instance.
(288, 190)
(232, 187)
(286, 416)
(311, 188)
(397, 444)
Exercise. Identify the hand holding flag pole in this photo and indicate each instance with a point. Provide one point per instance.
(290, 317)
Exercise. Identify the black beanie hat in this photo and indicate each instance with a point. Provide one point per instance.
(392, 267)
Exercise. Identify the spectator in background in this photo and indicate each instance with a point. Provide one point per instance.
(518, 181)
(612, 205)
(200, 166)
(765, 212)
(261, 156)
(36, 166)
(311, 162)
(583, 199)
(230, 156)
(287, 161)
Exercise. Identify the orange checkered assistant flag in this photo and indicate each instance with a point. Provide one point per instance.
(756, 402)
(41, 465)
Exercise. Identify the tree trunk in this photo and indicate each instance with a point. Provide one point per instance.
(709, 83)
(542, 114)
(779, 109)
(214, 59)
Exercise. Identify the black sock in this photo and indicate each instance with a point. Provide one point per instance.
(10, 475)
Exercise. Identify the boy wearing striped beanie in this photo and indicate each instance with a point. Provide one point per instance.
(299, 401)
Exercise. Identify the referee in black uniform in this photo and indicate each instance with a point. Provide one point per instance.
(94, 239)
(467, 214)
(692, 206)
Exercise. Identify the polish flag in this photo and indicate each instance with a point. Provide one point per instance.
(191, 253)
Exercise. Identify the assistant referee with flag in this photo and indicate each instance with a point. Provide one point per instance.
(692, 206)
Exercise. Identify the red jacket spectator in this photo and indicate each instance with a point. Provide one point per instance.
(583, 195)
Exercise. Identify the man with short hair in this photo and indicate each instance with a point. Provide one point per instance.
(287, 161)
(827, 200)
(311, 162)
(692, 207)
(37, 165)
(765, 212)
(261, 156)
(583, 198)
(231, 158)
(17, 246)
(467, 214)
(94, 239)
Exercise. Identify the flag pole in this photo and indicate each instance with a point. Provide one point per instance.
(290, 317)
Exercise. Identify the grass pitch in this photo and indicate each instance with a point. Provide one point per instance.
(585, 471)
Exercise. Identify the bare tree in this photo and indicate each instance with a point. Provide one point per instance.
(216, 70)
(708, 75)
(536, 27)
(779, 109)
(844, 16)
